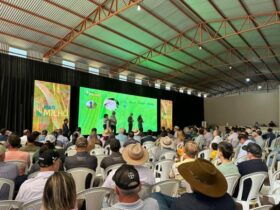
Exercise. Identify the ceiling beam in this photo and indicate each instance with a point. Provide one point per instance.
(94, 18)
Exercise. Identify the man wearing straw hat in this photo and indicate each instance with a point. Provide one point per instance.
(209, 189)
(136, 155)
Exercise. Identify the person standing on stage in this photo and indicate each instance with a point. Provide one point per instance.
(65, 128)
(105, 121)
(113, 122)
(130, 122)
(140, 123)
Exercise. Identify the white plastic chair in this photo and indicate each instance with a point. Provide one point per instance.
(145, 192)
(265, 207)
(98, 151)
(111, 168)
(70, 152)
(71, 147)
(240, 159)
(204, 154)
(32, 205)
(148, 144)
(98, 171)
(80, 175)
(150, 166)
(168, 156)
(31, 154)
(232, 181)
(108, 150)
(34, 174)
(257, 179)
(11, 186)
(271, 164)
(10, 204)
(162, 169)
(274, 181)
(274, 144)
(167, 187)
(94, 197)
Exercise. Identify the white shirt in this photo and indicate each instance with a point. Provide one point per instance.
(33, 188)
(146, 177)
(63, 141)
(233, 139)
(241, 151)
(259, 140)
(23, 140)
(147, 204)
(217, 140)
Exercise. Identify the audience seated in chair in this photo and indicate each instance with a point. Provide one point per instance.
(59, 192)
(115, 157)
(209, 189)
(33, 188)
(127, 187)
(148, 138)
(7, 171)
(166, 145)
(30, 145)
(253, 164)
(136, 155)
(227, 167)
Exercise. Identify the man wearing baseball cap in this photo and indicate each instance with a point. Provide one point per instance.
(253, 164)
(33, 188)
(127, 188)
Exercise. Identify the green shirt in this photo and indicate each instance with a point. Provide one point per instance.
(228, 169)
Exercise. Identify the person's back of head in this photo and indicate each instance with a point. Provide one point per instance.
(122, 130)
(35, 134)
(234, 129)
(59, 192)
(59, 131)
(201, 131)
(259, 132)
(130, 135)
(31, 139)
(191, 149)
(3, 131)
(14, 141)
(226, 149)
(214, 146)
(44, 132)
(48, 160)
(254, 151)
(81, 144)
(115, 145)
(26, 132)
(149, 132)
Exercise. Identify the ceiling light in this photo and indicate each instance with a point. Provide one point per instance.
(199, 94)
(259, 87)
(247, 79)
(230, 67)
(138, 8)
(189, 92)
(205, 95)
(167, 87)
(181, 90)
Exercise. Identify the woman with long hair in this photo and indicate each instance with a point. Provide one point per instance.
(59, 192)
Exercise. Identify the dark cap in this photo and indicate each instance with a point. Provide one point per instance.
(254, 149)
(127, 177)
(47, 158)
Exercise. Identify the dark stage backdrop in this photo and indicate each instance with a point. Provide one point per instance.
(17, 76)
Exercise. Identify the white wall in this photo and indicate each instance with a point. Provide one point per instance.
(243, 109)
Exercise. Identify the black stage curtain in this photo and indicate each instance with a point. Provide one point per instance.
(17, 77)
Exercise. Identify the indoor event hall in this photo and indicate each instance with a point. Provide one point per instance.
(140, 104)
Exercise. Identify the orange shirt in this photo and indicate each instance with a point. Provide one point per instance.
(17, 155)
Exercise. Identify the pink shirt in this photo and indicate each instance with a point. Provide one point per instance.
(17, 155)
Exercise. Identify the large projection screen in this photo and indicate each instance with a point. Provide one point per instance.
(51, 105)
(166, 108)
(93, 104)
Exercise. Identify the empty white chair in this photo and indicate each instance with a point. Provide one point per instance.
(70, 152)
(257, 179)
(94, 197)
(162, 169)
(80, 175)
(11, 186)
(204, 154)
(33, 175)
(111, 168)
(240, 159)
(148, 144)
(9, 204)
(98, 171)
(232, 182)
(98, 151)
(265, 207)
(32, 205)
(168, 156)
(167, 187)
